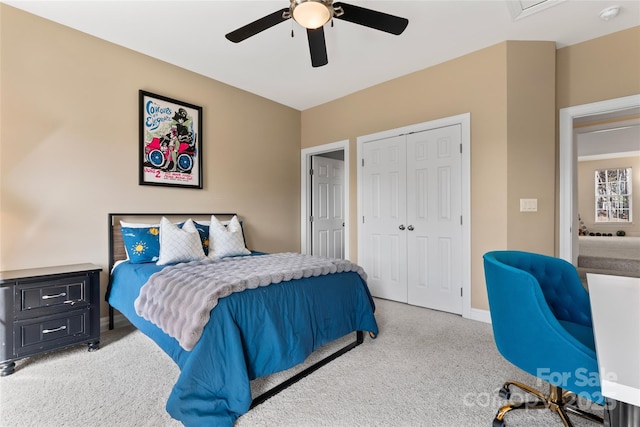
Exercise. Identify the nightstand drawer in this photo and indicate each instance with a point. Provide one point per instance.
(51, 331)
(39, 298)
(42, 309)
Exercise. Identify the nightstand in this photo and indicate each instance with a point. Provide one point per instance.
(45, 309)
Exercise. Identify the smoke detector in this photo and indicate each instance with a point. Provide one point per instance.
(609, 12)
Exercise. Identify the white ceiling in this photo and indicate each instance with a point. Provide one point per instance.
(608, 135)
(190, 34)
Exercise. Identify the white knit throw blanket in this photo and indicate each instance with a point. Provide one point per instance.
(179, 299)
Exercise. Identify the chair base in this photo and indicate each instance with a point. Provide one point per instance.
(558, 401)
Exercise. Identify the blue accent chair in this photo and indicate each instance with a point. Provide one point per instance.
(541, 319)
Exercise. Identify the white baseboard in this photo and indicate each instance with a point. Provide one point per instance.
(119, 321)
(480, 315)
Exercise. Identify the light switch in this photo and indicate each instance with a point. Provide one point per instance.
(528, 205)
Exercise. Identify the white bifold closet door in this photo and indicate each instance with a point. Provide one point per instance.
(412, 210)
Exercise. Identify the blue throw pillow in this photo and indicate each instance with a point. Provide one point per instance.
(203, 230)
(142, 243)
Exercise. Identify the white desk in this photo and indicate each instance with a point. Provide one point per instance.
(615, 308)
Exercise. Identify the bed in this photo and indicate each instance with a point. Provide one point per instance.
(250, 333)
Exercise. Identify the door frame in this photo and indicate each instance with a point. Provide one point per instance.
(568, 164)
(305, 195)
(464, 120)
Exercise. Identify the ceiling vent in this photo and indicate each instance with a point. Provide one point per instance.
(522, 8)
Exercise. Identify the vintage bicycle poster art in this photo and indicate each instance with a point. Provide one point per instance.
(170, 142)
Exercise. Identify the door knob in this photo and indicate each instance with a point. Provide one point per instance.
(401, 227)
(410, 228)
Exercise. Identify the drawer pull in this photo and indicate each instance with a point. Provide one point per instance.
(61, 294)
(48, 331)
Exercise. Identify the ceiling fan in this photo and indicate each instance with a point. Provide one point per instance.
(313, 14)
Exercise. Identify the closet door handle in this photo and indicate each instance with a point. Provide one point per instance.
(401, 227)
(410, 228)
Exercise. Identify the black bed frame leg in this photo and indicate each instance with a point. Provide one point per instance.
(300, 375)
(110, 318)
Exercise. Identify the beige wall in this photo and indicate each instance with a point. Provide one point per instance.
(513, 144)
(69, 141)
(596, 70)
(509, 90)
(531, 168)
(586, 194)
(68, 138)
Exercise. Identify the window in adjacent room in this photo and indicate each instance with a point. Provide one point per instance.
(613, 195)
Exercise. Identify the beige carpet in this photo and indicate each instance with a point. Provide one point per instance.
(618, 256)
(426, 368)
(610, 247)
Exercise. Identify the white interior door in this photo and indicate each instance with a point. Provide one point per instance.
(327, 223)
(434, 212)
(412, 210)
(384, 209)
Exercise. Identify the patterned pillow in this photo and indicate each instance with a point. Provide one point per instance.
(203, 230)
(179, 244)
(226, 241)
(141, 241)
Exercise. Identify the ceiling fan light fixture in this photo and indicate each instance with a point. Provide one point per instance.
(311, 14)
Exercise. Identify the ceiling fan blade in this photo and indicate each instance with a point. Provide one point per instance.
(317, 47)
(257, 26)
(372, 18)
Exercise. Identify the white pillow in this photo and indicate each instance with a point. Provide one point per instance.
(226, 241)
(179, 244)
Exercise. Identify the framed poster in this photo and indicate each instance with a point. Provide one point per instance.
(170, 142)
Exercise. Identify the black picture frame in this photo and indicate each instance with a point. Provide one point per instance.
(170, 146)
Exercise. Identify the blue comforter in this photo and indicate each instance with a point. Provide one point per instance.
(250, 334)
